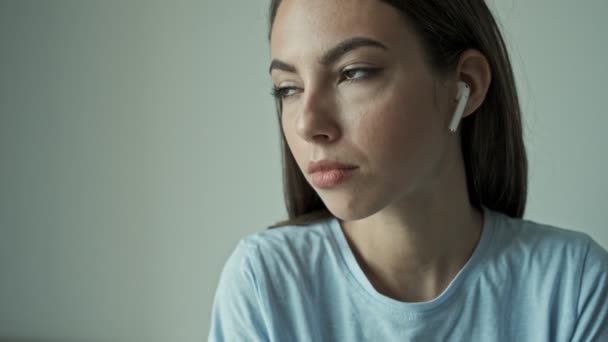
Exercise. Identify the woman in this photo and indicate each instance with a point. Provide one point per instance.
(406, 175)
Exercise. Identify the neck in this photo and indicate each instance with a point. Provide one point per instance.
(412, 249)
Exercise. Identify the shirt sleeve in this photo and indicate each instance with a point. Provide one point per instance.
(236, 314)
(592, 321)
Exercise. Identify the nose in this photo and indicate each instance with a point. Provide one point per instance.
(317, 119)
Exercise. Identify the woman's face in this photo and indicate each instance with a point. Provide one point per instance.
(375, 106)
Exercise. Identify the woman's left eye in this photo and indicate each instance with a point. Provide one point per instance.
(359, 73)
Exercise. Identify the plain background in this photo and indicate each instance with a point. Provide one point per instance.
(139, 143)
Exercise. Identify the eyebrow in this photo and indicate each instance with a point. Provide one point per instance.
(332, 55)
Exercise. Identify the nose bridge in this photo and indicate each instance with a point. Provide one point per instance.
(316, 96)
(317, 112)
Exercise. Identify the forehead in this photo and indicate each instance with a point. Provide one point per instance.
(312, 26)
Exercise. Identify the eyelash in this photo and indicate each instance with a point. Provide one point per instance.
(279, 92)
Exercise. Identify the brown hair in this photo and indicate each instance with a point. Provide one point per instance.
(492, 143)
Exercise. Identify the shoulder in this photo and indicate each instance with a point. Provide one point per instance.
(547, 258)
(288, 246)
(542, 240)
(534, 253)
(562, 270)
(265, 258)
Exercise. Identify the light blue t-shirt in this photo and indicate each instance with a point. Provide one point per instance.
(525, 281)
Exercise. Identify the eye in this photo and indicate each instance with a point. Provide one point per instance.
(350, 75)
(282, 92)
(356, 74)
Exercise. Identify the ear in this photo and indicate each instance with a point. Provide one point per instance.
(474, 69)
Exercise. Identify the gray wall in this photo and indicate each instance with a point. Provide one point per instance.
(138, 143)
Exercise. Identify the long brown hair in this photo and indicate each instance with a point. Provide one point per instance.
(494, 154)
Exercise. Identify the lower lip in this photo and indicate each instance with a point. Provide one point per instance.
(329, 178)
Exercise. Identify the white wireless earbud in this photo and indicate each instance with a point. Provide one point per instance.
(463, 97)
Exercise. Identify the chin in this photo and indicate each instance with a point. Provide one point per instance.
(352, 209)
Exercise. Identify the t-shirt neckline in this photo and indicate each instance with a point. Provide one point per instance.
(358, 278)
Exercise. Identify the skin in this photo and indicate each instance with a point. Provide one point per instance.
(405, 211)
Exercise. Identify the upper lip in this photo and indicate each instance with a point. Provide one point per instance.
(325, 165)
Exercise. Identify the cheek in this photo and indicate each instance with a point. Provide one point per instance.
(294, 143)
(395, 130)
(289, 134)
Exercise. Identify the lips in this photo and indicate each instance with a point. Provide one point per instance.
(330, 178)
(328, 165)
